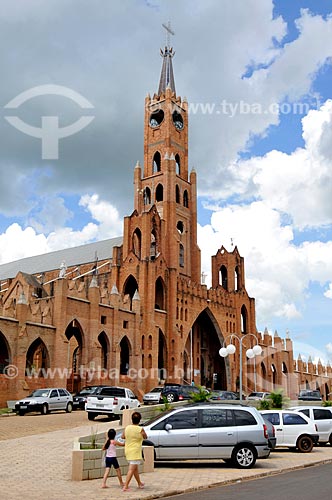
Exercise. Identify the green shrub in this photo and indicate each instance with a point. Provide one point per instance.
(278, 400)
(201, 396)
(264, 404)
(327, 403)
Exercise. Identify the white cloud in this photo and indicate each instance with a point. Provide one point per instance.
(328, 292)
(298, 186)
(17, 243)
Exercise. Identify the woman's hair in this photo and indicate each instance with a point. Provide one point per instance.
(111, 435)
(136, 418)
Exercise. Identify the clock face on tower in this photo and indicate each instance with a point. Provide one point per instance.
(156, 118)
(177, 120)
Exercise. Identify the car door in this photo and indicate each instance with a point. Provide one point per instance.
(178, 438)
(133, 401)
(274, 418)
(54, 400)
(323, 420)
(64, 399)
(217, 433)
(293, 426)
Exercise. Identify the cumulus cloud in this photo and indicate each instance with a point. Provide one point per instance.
(290, 187)
(17, 243)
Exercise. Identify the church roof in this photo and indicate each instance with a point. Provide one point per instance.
(82, 254)
(167, 76)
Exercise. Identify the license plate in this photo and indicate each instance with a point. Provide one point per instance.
(23, 406)
(99, 405)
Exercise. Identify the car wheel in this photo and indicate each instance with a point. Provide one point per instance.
(91, 416)
(170, 397)
(69, 408)
(44, 409)
(21, 413)
(244, 457)
(305, 444)
(330, 440)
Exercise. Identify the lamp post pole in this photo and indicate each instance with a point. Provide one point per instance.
(256, 350)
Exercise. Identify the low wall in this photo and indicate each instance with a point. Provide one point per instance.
(88, 463)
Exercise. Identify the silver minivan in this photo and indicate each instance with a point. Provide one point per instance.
(236, 434)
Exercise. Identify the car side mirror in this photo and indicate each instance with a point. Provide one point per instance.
(168, 427)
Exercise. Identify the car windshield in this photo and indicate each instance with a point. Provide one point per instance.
(156, 389)
(39, 393)
(259, 394)
(87, 390)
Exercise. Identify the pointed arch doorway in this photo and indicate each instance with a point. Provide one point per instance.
(201, 360)
(74, 355)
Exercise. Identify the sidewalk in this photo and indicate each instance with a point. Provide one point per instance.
(38, 467)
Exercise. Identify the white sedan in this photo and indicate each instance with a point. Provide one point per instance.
(292, 429)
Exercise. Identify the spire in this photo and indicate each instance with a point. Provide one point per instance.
(167, 76)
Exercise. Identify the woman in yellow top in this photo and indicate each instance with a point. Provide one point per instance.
(134, 435)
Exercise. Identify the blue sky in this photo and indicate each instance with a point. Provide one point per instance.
(264, 178)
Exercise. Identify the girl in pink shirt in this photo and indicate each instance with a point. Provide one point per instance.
(110, 458)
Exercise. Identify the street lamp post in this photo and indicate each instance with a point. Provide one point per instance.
(256, 350)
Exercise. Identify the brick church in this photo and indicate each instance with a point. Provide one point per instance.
(133, 310)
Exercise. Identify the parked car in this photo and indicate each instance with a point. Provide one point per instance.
(45, 400)
(153, 396)
(80, 398)
(256, 396)
(322, 418)
(292, 430)
(177, 392)
(203, 431)
(309, 395)
(110, 401)
(272, 440)
(221, 395)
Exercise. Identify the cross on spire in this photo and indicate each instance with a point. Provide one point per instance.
(169, 32)
(167, 77)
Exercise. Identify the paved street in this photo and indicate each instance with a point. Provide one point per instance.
(35, 463)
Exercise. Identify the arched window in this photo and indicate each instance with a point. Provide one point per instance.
(161, 356)
(137, 242)
(129, 290)
(37, 359)
(153, 245)
(177, 165)
(177, 194)
(181, 255)
(185, 199)
(150, 342)
(103, 341)
(159, 193)
(124, 356)
(180, 226)
(223, 277)
(147, 196)
(237, 279)
(274, 375)
(4, 354)
(159, 295)
(156, 162)
(244, 319)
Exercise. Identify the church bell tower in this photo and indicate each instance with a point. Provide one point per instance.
(165, 182)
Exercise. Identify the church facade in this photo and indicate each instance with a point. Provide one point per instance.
(133, 311)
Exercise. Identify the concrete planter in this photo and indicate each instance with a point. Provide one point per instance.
(88, 463)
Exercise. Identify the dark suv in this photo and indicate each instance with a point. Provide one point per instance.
(80, 398)
(309, 395)
(177, 392)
